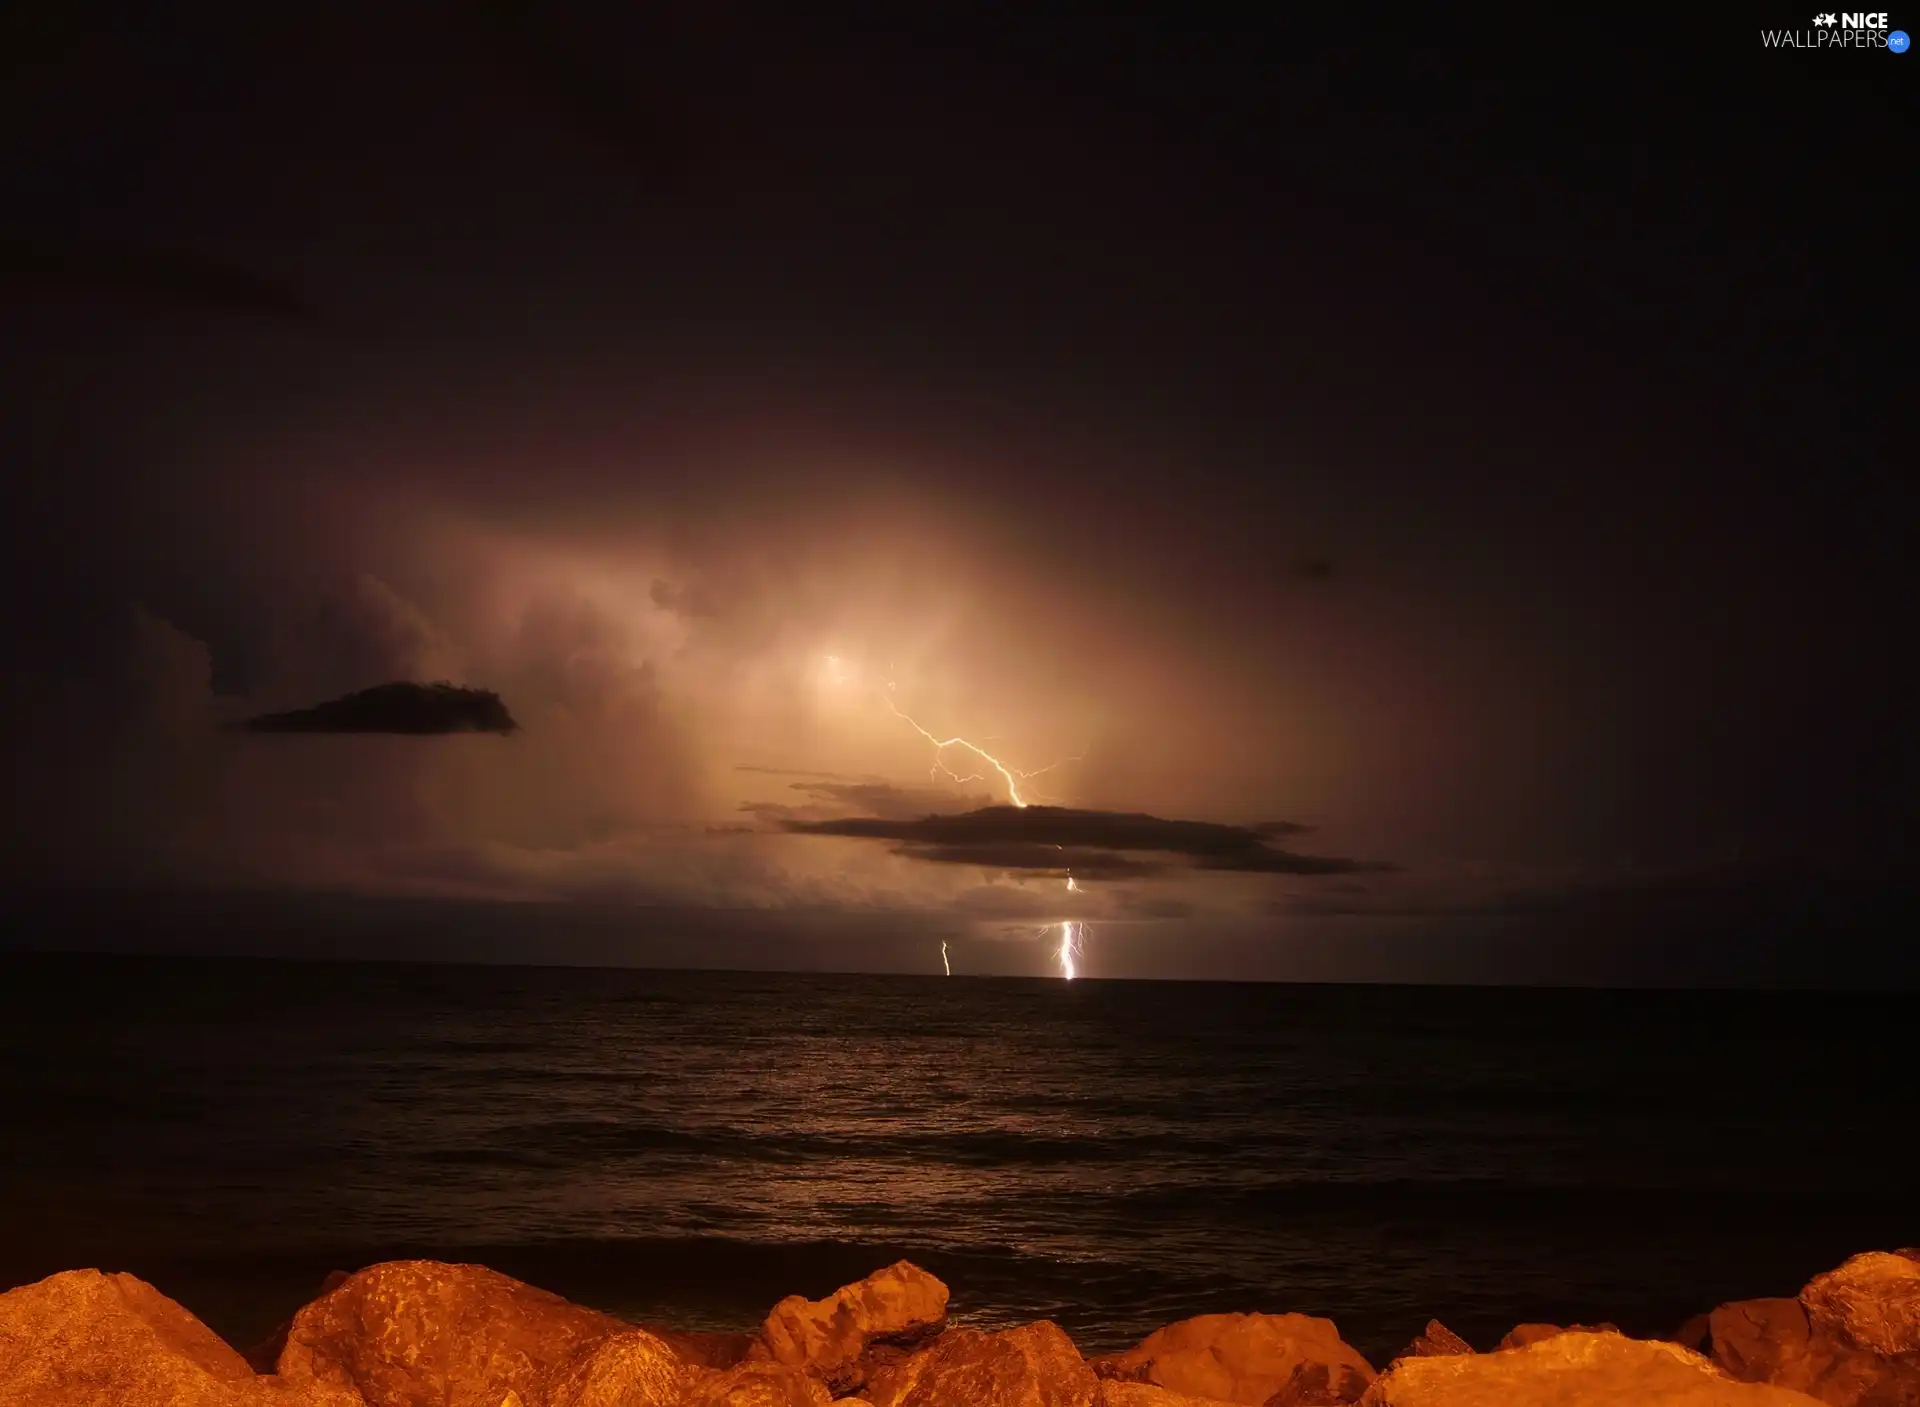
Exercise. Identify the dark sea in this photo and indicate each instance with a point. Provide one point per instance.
(688, 1147)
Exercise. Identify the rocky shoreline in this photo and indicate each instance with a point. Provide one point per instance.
(431, 1334)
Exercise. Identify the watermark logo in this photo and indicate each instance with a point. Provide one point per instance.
(1848, 29)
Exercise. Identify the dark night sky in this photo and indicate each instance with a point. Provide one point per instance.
(1482, 448)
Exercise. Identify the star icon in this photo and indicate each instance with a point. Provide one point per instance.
(1823, 19)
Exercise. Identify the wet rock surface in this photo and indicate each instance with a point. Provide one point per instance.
(633, 1368)
(84, 1338)
(1590, 1369)
(1247, 1358)
(858, 1329)
(1035, 1365)
(431, 1334)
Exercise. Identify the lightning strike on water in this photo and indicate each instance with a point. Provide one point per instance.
(943, 960)
(1069, 952)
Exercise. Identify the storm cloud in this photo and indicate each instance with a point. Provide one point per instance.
(400, 707)
(1038, 837)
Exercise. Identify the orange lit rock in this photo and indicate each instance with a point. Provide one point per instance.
(1436, 1340)
(704, 1348)
(1696, 1334)
(1775, 1341)
(831, 1338)
(83, 1339)
(1246, 1358)
(427, 1334)
(1592, 1370)
(1035, 1365)
(1871, 1302)
(632, 1368)
(265, 1355)
(1520, 1335)
(757, 1384)
(1113, 1393)
(1759, 1341)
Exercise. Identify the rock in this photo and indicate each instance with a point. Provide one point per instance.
(899, 1306)
(1246, 1358)
(1696, 1334)
(1591, 1369)
(1434, 1341)
(1760, 1341)
(83, 1339)
(753, 1384)
(703, 1348)
(1317, 1385)
(1871, 1302)
(1521, 1335)
(632, 1368)
(421, 1333)
(1035, 1365)
(1113, 1393)
(1774, 1341)
(265, 1355)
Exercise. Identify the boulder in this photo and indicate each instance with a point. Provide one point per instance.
(1762, 1341)
(1871, 1302)
(753, 1384)
(84, 1338)
(1520, 1335)
(898, 1307)
(1591, 1369)
(265, 1355)
(1775, 1341)
(1246, 1358)
(1435, 1341)
(702, 1348)
(632, 1368)
(1035, 1365)
(421, 1333)
(1113, 1393)
(1696, 1334)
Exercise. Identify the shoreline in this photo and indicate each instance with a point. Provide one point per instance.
(421, 1333)
(726, 1284)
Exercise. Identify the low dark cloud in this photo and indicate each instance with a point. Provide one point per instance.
(1044, 861)
(1274, 829)
(829, 797)
(1037, 837)
(401, 707)
(884, 802)
(801, 772)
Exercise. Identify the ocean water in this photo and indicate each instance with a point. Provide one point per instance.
(689, 1147)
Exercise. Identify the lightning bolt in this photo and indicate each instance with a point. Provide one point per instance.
(1012, 776)
(1073, 932)
(1068, 955)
